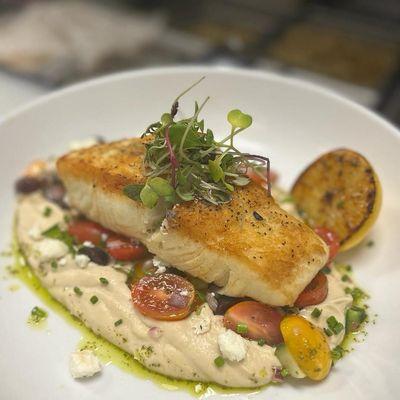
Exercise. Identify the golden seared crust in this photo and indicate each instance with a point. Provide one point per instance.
(253, 229)
(110, 166)
(250, 246)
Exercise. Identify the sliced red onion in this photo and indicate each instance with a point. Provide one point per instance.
(177, 300)
(277, 375)
(155, 332)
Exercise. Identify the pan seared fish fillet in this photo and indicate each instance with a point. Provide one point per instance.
(249, 247)
(95, 177)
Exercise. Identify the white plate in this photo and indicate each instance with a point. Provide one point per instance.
(293, 123)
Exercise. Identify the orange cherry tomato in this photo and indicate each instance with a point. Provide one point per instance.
(262, 179)
(258, 320)
(85, 230)
(124, 249)
(308, 346)
(314, 293)
(164, 296)
(331, 239)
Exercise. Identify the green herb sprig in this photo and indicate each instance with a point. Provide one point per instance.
(184, 161)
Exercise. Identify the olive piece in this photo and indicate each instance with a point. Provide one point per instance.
(96, 254)
(55, 193)
(27, 184)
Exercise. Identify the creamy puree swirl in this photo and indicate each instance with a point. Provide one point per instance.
(179, 349)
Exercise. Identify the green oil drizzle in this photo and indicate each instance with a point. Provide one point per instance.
(106, 351)
(354, 337)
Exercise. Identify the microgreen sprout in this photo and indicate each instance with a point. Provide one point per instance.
(183, 160)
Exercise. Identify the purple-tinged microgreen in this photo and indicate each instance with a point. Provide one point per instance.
(184, 161)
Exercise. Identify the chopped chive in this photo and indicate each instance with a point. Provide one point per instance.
(67, 219)
(370, 243)
(284, 372)
(345, 278)
(337, 353)
(348, 268)
(261, 342)
(78, 291)
(117, 323)
(356, 293)
(328, 332)
(316, 312)
(54, 265)
(219, 361)
(355, 316)
(37, 314)
(104, 281)
(334, 325)
(47, 212)
(241, 328)
(94, 299)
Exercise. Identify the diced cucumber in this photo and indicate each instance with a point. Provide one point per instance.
(355, 316)
(289, 362)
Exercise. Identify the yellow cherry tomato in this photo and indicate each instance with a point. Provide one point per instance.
(308, 346)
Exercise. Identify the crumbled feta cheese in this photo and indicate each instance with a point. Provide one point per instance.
(232, 346)
(160, 265)
(83, 364)
(62, 262)
(83, 143)
(87, 243)
(51, 249)
(82, 260)
(104, 237)
(200, 324)
(160, 270)
(35, 233)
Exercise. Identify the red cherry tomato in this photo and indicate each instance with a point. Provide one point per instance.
(84, 231)
(124, 249)
(262, 179)
(331, 239)
(260, 321)
(163, 296)
(315, 292)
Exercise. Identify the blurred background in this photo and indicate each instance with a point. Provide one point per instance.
(352, 46)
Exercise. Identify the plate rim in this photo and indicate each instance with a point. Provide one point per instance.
(203, 69)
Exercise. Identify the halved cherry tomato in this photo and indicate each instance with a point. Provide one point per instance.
(163, 296)
(262, 179)
(314, 293)
(260, 321)
(331, 239)
(124, 249)
(83, 230)
(308, 346)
